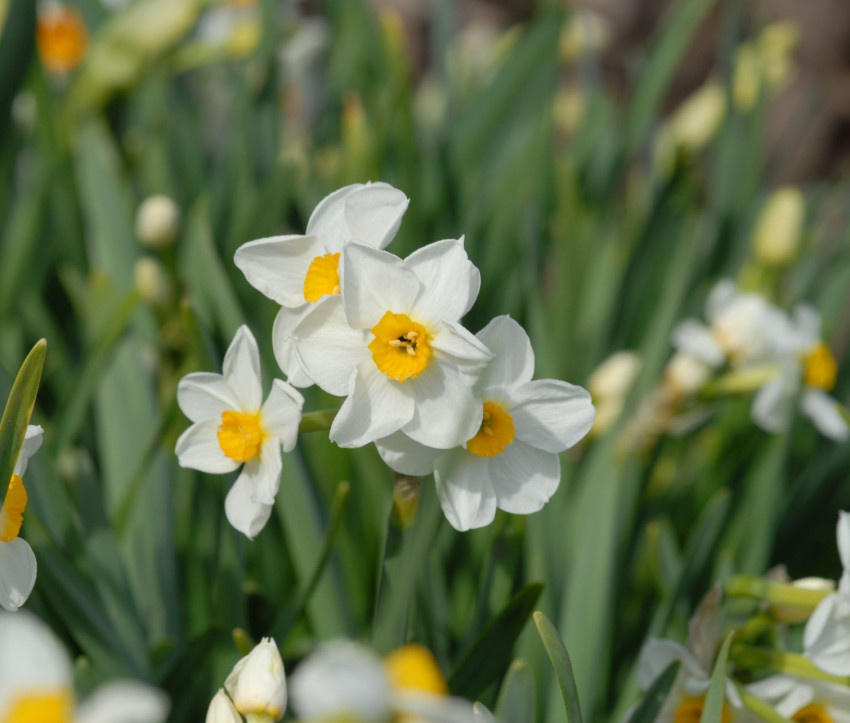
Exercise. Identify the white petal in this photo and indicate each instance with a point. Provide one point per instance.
(807, 324)
(33, 438)
(282, 413)
(843, 537)
(419, 706)
(514, 358)
(277, 266)
(373, 283)
(124, 701)
(827, 637)
(550, 414)
(455, 344)
(695, 338)
(328, 348)
(221, 710)
(774, 688)
(720, 296)
(284, 346)
(524, 478)
(657, 654)
(198, 448)
(31, 656)
(465, 491)
(773, 405)
(373, 214)
(18, 570)
(204, 395)
(450, 281)
(446, 412)
(263, 472)
(242, 370)
(407, 456)
(243, 511)
(327, 222)
(823, 411)
(376, 407)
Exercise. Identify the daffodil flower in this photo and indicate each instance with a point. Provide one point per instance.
(511, 461)
(232, 426)
(392, 344)
(807, 372)
(827, 637)
(344, 680)
(804, 701)
(297, 271)
(17, 562)
(36, 681)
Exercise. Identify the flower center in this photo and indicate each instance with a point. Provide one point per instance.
(412, 667)
(12, 514)
(401, 347)
(820, 367)
(61, 38)
(41, 708)
(812, 713)
(322, 277)
(690, 710)
(495, 433)
(240, 435)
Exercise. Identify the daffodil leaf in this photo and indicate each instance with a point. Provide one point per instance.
(516, 696)
(490, 653)
(712, 712)
(17, 33)
(654, 698)
(557, 653)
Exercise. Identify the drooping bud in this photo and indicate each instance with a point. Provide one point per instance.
(777, 233)
(157, 221)
(257, 684)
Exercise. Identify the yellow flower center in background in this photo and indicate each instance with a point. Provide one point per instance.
(240, 435)
(41, 708)
(690, 710)
(12, 514)
(413, 667)
(61, 38)
(322, 277)
(495, 433)
(813, 713)
(401, 347)
(820, 367)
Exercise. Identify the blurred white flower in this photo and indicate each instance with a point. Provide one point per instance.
(805, 700)
(827, 637)
(18, 567)
(297, 271)
(232, 426)
(221, 710)
(152, 283)
(685, 374)
(586, 33)
(257, 683)
(779, 228)
(393, 345)
(511, 462)
(157, 221)
(36, 682)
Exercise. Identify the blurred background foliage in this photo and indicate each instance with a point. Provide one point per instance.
(604, 175)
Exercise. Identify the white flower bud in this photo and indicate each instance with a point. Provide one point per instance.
(221, 710)
(152, 282)
(586, 33)
(686, 374)
(777, 233)
(790, 614)
(614, 376)
(157, 221)
(698, 118)
(257, 683)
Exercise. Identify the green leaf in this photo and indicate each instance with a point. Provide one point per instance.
(490, 653)
(561, 663)
(716, 697)
(516, 696)
(651, 704)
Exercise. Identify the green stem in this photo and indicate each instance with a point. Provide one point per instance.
(773, 592)
(753, 658)
(317, 421)
(762, 709)
(739, 382)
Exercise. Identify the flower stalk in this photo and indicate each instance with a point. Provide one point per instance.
(317, 421)
(754, 658)
(776, 593)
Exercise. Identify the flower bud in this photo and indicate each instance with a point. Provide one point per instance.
(686, 374)
(777, 233)
(152, 283)
(257, 683)
(698, 118)
(614, 376)
(157, 221)
(791, 614)
(586, 33)
(221, 710)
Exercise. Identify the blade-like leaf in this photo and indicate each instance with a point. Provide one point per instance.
(516, 696)
(713, 710)
(648, 709)
(557, 652)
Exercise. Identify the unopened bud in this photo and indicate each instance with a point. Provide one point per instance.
(221, 710)
(776, 237)
(152, 282)
(257, 684)
(157, 221)
(586, 33)
(698, 118)
(686, 374)
(614, 376)
(791, 614)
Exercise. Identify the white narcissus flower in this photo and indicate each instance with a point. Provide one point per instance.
(257, 683)
(18, 567)
(297, 271)
(232, 426)
(805, 700)
(221, 710)
(827, 637)
(36, 682)
(808, 371)
(511, 460)
(392, 344)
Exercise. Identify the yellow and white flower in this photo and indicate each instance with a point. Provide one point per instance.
(36, 681)
(257, 683)
(393, 345)
(827, 637)
(232, 426)
(297, 271)
(804, 701)
(511, 460)
(344, 680)
(18, 567)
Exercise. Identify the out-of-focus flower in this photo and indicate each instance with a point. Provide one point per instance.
(693, 124)
(36, 682)
(805, 701)
(157, 221)
(233, 25)
(685, 375)
(18, 567)
(569, 108)
(257, 684)
(298, 271)
(827, 637)
(343, 680)
(221, 710)
(790, 614)
(777, 233)
(232, 427)
(764, 64)
(511, 462)
(392, 344)
(61, 38)
(152, 282)
(609, 386)
(587, 32)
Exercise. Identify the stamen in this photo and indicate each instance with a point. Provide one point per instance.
(401, 347)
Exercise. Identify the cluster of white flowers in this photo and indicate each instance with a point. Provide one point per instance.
(385, 334)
